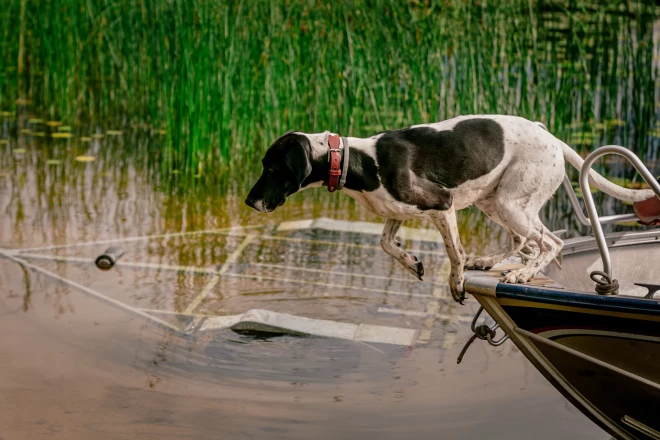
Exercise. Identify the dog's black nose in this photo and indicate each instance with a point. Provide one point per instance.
(250, 202)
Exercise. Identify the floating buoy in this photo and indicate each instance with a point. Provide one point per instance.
(108, 259)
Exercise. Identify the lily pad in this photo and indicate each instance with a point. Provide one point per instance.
(21, 101)
(616, 122)
(19, 150)
(176, 172)
(585, 136)
(4, 141)
(620, 181)
(25, 131)
(578, 190)
(98, 136)
(113, 133)
(85, 158)
(85, 139)
(53, 162)
(64, 135)
(5, 113)
(630, 223)
(54, 123)
(39, 134)
(576, 125)
(637, 185)
(64, 128)
(35, 121)
(162, 132)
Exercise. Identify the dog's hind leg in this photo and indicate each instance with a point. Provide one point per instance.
(393, 248)
(446, 223)
(524, 220)
(526, 185)
(515, 244)
(549, 247)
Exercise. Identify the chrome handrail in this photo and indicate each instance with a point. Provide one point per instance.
(579, 213)
(589, 199)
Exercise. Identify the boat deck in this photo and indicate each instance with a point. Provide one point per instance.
(540, 280)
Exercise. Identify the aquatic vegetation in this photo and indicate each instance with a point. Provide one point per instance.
(219, 80)
(62, 135)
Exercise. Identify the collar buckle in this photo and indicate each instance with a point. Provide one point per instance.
(337, 173)
(333, 150)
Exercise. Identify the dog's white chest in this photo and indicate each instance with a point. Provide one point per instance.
(380, 202)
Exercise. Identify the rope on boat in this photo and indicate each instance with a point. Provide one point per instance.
(604, 285)
(482, 332)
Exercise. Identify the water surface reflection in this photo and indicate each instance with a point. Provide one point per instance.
(84, 366)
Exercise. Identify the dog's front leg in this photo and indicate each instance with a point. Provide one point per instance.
(446, 223)
(393, 248)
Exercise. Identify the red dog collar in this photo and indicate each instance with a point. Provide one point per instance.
(334, 157)
(337, 173)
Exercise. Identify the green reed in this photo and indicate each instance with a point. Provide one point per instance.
(224, 78)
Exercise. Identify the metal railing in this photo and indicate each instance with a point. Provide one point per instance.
(593, 219)
(582, 218)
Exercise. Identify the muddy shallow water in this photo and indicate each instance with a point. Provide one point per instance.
(116, 354)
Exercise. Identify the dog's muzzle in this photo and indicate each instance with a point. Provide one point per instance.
(257, 205)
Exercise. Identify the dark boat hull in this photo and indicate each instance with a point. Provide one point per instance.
(601, 352)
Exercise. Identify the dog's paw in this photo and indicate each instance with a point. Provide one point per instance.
(456, 287)
(457, 293)
(478, 264)
(416, 269)
(517, 277)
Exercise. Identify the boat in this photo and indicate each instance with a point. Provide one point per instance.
(591, 327)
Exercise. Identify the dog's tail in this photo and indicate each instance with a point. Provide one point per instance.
(616, 191)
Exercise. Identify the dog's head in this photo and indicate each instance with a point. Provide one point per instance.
(286, 165)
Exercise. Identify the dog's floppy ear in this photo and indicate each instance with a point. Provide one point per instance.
(297, 159)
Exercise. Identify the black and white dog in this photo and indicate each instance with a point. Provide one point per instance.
(505, 165)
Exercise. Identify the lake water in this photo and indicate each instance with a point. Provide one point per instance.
(80, 359)
(125, 353)
(78, 364)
